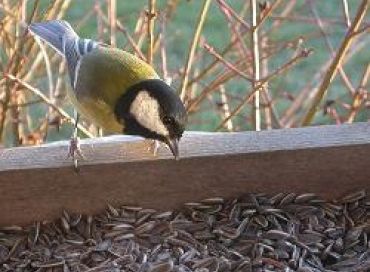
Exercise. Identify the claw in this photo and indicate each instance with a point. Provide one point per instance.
(75, 152)
(154, 146)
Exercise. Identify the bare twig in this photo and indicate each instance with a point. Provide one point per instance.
(260, 85)
(131, 41)
(234, 14)
(47, 65)
(235, 29)
(342, 73)
(165, 74)
(193, 46)
(329, 76)
(112, 21)
(151, 13)
(308, 20)
(47, 101)
(226, 108)
(346, 12)
(210, 68)
(359, 95)
(13, 67)
(222, 79)
(229, 65)
(124, 30)
(365, 29)
(256, 65)
(268, 12)
(291, 113)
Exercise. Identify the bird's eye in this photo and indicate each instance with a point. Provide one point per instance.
(167, 120)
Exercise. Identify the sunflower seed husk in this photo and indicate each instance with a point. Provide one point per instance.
(256, 232)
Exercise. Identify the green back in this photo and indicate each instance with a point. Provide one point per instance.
(105, 74)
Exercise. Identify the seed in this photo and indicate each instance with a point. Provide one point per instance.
(309, 238)
(284, 232)
(276, 198)
(204, 263)
(355, 196)
(192, 204)
(113, 211)
(162, 267)
(303, 198)
(124, 237)
(49, 264)
(214, 200)
(65, 224)
(188, 256)
(163, 215)
(276, 235)
(142, 219)
(261, 220)
(4, 252)
(121, 226)
(131, 208)
(353, 235)
(289, 198)
(145, 228)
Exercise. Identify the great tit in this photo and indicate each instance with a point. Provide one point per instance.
(115, 89)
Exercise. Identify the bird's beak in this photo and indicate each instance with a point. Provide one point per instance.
(173, 144)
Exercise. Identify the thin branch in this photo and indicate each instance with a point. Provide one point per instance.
(163, 50)
(13, 65)
(359, 95)
(229, 65)
(346, 12)
(256, 65)
(131, 41)
(123, 29)
(342, 73)
(329, 76)
(151, 13)
(235, 29)
(365, 29)
(244, 101)
(308, 20)
(290, 114)
(112, 21)
(268, 12)
(226, 108)
(222, 79)
(213, 65)
(47, 65)
(234, 14)
(193, 46)
(261, 84)
(48, 102)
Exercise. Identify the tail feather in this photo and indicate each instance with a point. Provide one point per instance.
(60, 35)
(56, 33)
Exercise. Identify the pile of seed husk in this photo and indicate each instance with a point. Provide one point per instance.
(256, 232)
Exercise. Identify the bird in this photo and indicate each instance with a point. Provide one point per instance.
(115, 89)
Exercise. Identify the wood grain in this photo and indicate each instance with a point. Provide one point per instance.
(37, 183)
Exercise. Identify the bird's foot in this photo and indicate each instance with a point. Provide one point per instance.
(153, 147)
(75, 151)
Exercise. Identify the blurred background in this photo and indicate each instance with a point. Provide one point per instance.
(298, 63)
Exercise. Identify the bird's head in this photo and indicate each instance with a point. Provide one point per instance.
(153, 110)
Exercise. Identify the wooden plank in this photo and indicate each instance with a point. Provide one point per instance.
(37, 183)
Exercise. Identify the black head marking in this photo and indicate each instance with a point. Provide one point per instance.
(172, 111)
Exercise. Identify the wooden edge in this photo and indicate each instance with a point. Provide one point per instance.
(121, 149)
(38, 183)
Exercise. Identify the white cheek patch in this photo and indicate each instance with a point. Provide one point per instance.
(146, 111)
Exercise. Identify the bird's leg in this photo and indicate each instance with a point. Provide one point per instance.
(154, 146)
(74, 145)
